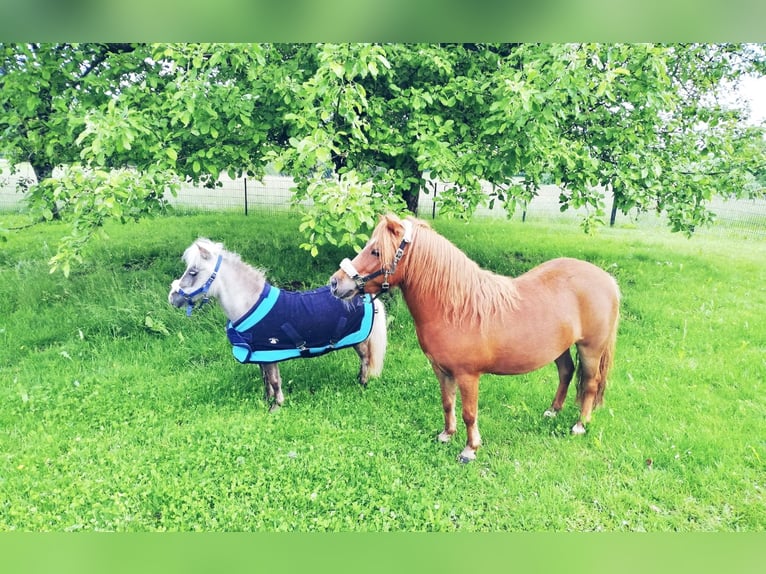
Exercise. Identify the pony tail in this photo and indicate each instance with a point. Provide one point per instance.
(607, 359)
(378, 340)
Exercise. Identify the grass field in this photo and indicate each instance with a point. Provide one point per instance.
(117, 412)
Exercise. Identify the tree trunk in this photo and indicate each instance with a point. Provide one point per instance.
(411, 198)
(42, 170)
(411, 195)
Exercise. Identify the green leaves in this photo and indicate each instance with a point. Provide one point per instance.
(111, 133)
(156, 326)
(341, 213)
(641, 119)
(87, 198)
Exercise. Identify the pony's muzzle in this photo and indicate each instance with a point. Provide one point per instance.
(342, 288)
(176, 300)
(174, 297)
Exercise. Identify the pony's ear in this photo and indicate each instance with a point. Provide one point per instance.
(204, 252)
(393, 223)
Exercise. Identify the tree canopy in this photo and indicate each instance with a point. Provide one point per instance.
(126, 122)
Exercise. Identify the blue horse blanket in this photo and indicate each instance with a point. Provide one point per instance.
(285, 325)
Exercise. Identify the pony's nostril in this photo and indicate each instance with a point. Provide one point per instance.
(334, 283)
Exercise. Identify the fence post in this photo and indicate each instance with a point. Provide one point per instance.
(433, 205)
(245, 196)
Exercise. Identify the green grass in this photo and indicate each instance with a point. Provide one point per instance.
(117, 412)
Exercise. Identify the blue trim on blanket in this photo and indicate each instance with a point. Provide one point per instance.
(257, 312)
(257, 337)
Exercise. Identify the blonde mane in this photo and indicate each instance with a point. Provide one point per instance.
(435, 269)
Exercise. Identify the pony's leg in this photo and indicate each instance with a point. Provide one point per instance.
(272, 382)
(363, 350)
(469, 397)
(448, 389)
(587, 386)
(566, 369)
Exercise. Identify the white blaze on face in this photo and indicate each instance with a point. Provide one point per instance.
(174, 287)
(348, 268)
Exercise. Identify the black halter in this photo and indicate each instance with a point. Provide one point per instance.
(348, 268)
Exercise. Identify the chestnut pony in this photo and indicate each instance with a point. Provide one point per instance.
(470, 321)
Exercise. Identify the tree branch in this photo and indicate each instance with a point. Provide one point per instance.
(106, 51)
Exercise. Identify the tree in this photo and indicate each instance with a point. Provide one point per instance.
(43, 87)
(124, 122)
(641, 121)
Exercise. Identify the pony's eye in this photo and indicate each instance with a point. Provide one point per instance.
(375, 253)
(193, 272)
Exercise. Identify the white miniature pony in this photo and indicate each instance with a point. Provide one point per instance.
(268, 325)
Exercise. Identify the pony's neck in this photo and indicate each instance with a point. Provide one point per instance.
(238, 288)
(438, 278)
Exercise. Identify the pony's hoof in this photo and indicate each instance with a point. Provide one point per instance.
(467, 456)
(578, 429)
(444, 437)
(274, 408)
(550, 414)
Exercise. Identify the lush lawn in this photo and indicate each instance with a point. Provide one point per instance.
(117, 412)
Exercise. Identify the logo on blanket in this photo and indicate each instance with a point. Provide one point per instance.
(285, 325)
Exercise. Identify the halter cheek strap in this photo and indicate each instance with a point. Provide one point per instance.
(189, 297)
(348, 268)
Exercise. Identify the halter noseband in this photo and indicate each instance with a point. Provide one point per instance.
(189, 297)
(348, 268)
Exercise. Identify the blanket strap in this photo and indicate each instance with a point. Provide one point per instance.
(300, 342)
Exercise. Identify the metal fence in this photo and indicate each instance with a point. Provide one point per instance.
(744, 217)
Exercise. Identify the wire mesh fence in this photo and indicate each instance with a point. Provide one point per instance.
(744, 217)
(243, 195)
